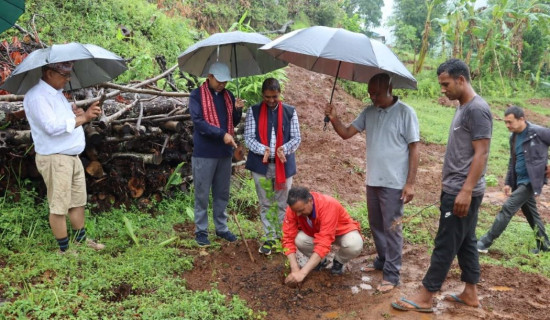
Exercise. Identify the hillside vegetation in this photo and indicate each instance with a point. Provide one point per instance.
(150, 250)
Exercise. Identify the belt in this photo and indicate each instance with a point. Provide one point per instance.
(271, 160)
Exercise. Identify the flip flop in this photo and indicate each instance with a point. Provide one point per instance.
(385, 284)
(416, 307)
(454, 298)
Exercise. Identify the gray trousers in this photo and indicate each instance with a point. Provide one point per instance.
(215, 174)
(524, 198)
(279, 196)
(385, 210)
(350, 244)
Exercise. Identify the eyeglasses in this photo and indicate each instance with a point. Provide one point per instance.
(64, 75)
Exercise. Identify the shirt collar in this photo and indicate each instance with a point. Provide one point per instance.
(49, 89)
(388, 109)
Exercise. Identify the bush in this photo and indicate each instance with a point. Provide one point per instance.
(99, 22)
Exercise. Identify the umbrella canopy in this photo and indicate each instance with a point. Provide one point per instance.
(10, 11)
(237, 49)
(340, 53)
(92, 65)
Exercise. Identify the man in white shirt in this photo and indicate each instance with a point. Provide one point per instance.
(56, 129)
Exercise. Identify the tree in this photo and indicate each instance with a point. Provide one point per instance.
(413, 13)
(430, 5)
(370, 11)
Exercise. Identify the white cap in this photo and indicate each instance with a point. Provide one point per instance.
(220, 71)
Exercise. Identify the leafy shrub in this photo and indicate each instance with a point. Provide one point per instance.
(99, 22)
(250, 88)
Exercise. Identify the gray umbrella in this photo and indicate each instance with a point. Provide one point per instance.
(340, 53)
(92, 65)
(237, 49)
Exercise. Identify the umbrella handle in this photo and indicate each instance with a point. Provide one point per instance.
(327, 119)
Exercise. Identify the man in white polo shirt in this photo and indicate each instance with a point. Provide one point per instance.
(392, 161)
(56, 129)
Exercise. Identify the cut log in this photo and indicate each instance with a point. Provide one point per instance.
(175, 118)
(93, 136)
(15, 116)
(91, 152)
(104, 122)
(155, 118)
(136, 187)
(22, 137)
(15, 137)
(122, 129)
(172, 126)
(145, 158)
(147, 135)
(12, 98)
(145, 91)
(95, 169)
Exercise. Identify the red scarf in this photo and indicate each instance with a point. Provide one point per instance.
(209, 109)
(280, 175)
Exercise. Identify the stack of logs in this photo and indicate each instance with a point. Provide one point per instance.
(131, 150)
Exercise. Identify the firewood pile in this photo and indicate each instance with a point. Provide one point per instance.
(132, 150)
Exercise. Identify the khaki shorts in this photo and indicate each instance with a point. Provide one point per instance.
(65, 181)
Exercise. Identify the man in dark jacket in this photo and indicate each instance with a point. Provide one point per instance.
(526, 175)
(215, 113)
(272, 135)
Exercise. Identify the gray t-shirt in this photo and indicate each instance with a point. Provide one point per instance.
(472, 121)
(389, 132)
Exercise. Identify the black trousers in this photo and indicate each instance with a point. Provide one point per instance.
(455, 237)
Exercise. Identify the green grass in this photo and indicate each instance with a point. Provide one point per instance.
(420, 223)
(511, 249)
(122, 281)
(435, 120)
(126, 280)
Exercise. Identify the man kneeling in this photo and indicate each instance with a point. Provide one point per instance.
(314, 221)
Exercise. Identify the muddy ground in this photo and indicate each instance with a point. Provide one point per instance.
(328, 164)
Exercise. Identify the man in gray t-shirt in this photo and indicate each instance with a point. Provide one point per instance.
(463, 187)
(392, 160)
(472, 121)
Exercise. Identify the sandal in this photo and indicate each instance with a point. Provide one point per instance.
(385, 287)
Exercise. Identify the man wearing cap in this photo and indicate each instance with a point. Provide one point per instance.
(392, 161)
(272, 135)
(215, 112)
(58, 136)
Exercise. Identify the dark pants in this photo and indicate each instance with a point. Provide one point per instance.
(385, 214)
(524, 198)
(455, 237)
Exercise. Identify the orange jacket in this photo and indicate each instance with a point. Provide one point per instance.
(329, 220)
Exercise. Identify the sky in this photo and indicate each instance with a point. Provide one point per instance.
(387, 11)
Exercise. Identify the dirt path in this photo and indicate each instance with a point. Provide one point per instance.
(328, 164)
(505, 293)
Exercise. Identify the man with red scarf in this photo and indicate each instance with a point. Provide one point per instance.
(272, 135)
(313, 222)
(215, 113)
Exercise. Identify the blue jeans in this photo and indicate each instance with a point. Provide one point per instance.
(524, 198)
